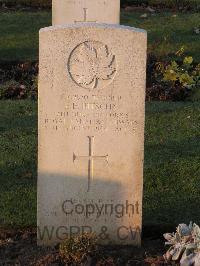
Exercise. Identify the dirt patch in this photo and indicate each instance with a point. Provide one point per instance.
(19, 247)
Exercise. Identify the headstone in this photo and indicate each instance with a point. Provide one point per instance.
(76, 11)
(91, 132)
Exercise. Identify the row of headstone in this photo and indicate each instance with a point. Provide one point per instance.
(91, 124)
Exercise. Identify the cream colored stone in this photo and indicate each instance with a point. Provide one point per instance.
(74, 11)
(91, 132)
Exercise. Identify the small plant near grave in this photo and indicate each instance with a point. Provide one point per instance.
(17, 91)
(12, 90)
(185, 245)
(180, 78)
(19, 81)
(78, 249)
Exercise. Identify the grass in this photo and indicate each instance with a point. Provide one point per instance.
(18, 133)
(19, 33)
(171, 175)
(167, 34)
(172, 168)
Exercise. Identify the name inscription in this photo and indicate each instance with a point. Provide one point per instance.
(93, 112)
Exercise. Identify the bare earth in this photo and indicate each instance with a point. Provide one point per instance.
(18, 247)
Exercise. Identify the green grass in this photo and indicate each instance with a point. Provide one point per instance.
(172, 163)
(18, 162)
(166, 34)
(19, 35)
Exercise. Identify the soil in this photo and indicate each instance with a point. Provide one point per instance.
(19, 248)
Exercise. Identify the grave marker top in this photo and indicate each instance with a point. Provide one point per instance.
(74, 11)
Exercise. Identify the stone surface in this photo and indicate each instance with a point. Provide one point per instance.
(91, 132)
(75, 11)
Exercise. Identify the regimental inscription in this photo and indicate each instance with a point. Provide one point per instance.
(85, 14)
(90, 158)
(92, 65)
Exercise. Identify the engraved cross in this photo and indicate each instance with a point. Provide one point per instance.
(90, 158)
(85, 10)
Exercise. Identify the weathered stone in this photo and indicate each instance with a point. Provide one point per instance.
(75, 11)
(91, 132)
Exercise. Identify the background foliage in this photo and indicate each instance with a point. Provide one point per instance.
(194, 4)
(164, 3)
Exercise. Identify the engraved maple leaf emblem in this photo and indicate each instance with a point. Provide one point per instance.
(92, 64)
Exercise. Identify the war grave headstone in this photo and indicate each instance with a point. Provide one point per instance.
(91, 132)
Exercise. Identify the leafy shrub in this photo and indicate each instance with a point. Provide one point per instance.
(77, 249)
(185, 245)
(179, 78)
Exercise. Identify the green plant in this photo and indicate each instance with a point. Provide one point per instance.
(185, 245)
(181, 76)
(78, 248)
